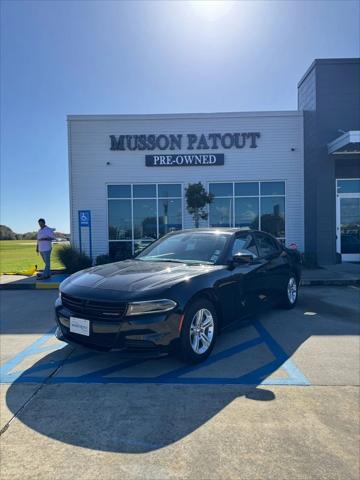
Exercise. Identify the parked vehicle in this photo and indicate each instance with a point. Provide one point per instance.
(178, 293)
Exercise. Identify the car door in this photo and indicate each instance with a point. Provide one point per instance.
(274, 270)
(246, 276)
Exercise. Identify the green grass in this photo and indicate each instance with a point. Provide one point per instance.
(18, 255)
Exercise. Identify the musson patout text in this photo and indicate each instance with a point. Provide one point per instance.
(211, 141)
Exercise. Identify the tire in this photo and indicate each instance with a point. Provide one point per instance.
(291, 293)
(193, 348)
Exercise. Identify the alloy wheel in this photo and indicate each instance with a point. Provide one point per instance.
(201, 331)
(292, 290)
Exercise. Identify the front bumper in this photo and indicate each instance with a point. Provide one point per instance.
(152, 333)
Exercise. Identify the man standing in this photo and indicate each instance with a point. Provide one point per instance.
(44, 238)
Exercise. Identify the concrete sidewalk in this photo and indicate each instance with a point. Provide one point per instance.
(337, 275)
(341, 274)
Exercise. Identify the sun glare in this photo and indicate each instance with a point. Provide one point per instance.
(211, 10)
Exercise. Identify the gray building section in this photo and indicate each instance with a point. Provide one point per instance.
(329, 95)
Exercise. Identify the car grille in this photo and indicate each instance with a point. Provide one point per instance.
(94, 308)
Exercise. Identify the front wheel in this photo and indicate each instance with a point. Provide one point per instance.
(198, 331)
(291, 293)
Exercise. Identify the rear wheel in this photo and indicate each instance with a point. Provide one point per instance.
(198, 331)
(290, 295)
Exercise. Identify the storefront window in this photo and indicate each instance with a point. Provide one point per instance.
(221, 189)
(246, 189)
(272, 188)
(257, 205)
(221, 212)
(348, 186)
(120, 227)
(170, 215)
(144, 191)
(139, 214)
(273, 216)
(144, 218)
(247, 212)
(169, 190)
(119, 191)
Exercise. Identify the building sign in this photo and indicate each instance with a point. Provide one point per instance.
(84, 218)
(196, 160)
(211, 141)
(85, 234)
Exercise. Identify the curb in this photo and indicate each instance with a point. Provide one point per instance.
(330, 282)
(31, 286)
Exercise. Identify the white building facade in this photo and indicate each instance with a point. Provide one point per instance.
(128, 175)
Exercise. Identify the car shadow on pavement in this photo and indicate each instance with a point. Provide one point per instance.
(95, 401)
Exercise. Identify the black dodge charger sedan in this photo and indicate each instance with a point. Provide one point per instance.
(178, 293)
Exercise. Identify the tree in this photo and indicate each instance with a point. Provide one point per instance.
(6, 233)
(197, 199)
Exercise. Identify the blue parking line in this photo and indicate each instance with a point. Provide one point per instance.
(114, 368)
(294, 373)
(30, 350)
(212, 359)
(176, 376)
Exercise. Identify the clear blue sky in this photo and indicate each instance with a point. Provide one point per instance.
(77, 57)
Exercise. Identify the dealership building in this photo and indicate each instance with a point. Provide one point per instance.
(295, 174)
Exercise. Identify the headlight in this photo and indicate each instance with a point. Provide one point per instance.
(150, 306)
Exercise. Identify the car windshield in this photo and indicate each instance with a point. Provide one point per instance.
(194, 247)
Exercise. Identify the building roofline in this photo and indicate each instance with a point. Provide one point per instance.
(347, 138)
(327, 61)
(175, 116)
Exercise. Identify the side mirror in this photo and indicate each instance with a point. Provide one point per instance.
(242, 258)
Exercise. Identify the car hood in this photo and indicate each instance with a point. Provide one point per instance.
(136, 275)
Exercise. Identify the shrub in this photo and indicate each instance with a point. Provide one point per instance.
(72, 259)
(123, 254)
(103, 259)
(120, 251)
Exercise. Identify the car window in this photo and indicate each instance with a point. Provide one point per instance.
(245, 244)
(187, 247)
(267, 246)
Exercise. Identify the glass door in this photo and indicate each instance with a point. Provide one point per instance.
(348, 219)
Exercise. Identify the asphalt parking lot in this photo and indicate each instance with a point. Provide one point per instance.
(277, 399)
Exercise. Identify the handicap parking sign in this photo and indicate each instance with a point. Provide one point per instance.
(84, 218)
(85, 221)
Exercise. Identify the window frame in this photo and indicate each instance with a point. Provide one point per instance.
(259, 197)
(133, 240)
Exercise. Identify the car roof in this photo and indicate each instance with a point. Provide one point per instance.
(228, 230)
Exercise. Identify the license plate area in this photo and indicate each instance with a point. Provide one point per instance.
(80, 326)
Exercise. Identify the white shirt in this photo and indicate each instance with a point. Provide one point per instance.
(45, 245)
